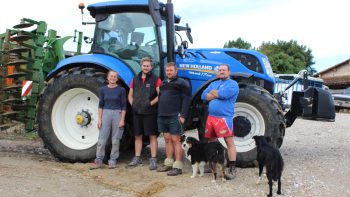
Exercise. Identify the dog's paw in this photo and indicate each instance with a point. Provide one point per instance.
(213, 181)
(201, 175)
(193, 176)
(223, 179)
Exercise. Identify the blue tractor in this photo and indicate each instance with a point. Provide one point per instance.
(128, 30)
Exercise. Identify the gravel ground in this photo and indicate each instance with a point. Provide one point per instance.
(316, 156)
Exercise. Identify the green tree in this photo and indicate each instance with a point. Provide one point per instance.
(238, 43)
(288, 57)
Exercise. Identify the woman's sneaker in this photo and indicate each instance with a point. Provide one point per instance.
(112, 164)
(96, 165)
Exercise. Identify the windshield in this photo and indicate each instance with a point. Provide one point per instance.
(129, 37)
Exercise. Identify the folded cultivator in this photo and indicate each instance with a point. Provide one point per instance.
(28, 52)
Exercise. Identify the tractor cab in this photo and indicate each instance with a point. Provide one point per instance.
(128, 37)
(131, 30)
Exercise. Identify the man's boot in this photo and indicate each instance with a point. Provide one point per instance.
(231, 170)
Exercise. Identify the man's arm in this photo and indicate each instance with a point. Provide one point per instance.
(155, 100)
(213, 94)
(186, 99)
(131, 92)
(206, 95)
(131, 96)
(228, 91)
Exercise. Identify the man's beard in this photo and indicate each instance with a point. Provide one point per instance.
(172, 77)
(224, 78)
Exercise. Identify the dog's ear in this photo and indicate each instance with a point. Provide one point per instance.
(255, 137)
(183, 138)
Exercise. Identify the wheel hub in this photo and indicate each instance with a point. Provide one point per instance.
(83, 118)
(242, 126)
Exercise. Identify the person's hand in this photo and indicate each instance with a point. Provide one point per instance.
(182, 120)
(121, 123)
(99, 123)
(210, 96)
(215, 93)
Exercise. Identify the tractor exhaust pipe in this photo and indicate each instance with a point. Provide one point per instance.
(170, 31)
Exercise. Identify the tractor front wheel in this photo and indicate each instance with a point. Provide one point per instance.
(67, 114)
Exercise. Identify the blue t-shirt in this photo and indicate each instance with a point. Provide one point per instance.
(112, 98)
(224, 106)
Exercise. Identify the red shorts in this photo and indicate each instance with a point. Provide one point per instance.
(218, 127)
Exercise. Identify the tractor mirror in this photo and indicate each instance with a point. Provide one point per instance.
(188, 33)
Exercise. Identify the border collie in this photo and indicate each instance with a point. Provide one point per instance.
(199, 153)
(271, 158)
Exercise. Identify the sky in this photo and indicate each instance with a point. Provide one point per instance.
(322, 26)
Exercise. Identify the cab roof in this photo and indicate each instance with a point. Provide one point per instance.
(119, 6)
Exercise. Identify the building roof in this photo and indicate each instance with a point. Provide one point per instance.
(335, 66)
(341, 80)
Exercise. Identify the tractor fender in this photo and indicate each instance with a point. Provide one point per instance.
(105, 61)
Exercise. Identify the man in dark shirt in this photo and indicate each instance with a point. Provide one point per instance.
(174, 101)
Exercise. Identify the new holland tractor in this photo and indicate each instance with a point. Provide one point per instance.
(128, 30)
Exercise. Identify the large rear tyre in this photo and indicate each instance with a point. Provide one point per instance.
(67, 114)
(257, 112)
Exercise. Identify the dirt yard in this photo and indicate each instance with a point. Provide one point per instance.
(316, 156)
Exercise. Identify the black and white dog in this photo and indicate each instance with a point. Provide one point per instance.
(270, 157)
(194, 152)
(199, 153)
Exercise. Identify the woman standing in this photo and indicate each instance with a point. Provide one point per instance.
(111, 120)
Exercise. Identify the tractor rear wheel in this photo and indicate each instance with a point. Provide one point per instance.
(257, 112)
(67, 114)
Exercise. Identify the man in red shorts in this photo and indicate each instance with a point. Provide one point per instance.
(222, 95)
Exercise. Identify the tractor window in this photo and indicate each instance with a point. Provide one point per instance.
(248, 60)
(129, 37)
(163, 35)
